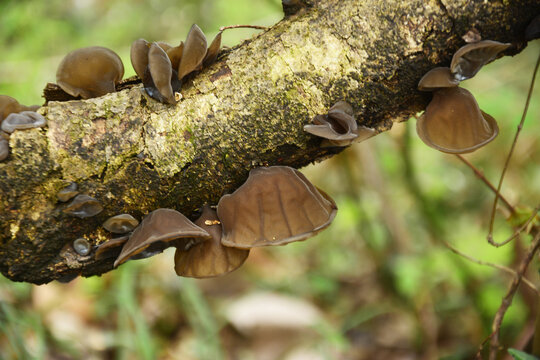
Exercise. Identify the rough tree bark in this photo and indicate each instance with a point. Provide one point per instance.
(135, 155)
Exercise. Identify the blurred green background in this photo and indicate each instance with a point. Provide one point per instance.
(378, 284)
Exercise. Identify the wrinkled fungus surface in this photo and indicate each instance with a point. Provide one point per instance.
(81, 246)
(23, 120)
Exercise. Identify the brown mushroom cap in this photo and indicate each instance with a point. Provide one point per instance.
(469, 59)
(175, 54)
(453, 122)
(22, 121)
(83, 206)
(213, 50)
(90, 72)
(8, 105)
(436, 78)
(120, 224)
(194, 52)
(67, 192)
(275, 206)
(139, 56)
(160, 70)
(110, 248)
(159, 230)
(209, 258)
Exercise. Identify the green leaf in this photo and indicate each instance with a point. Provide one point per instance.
(520, 355)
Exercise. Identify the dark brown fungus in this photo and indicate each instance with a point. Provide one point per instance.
(81, 246)
(160, 71)
(4, 146)
(439, 77)
(121, 224)
(339, 126)
(90, 72)
(175, 55)
(209, 258)
(275, 206)
(83, 206)
(193, 53)
(453, 122)
(469, 59)
(68, 192)
(213, 50)
(139, 56)
(533, 29)
(159, 230)
(111, 248)
(22, 121)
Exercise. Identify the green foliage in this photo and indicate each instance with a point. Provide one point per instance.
(520, 355)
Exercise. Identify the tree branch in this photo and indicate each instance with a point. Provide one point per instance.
(135, 155)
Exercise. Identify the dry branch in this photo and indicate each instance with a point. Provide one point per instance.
(135, 155)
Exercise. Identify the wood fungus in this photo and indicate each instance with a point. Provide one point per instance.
(275, 206)
(4, 146)
(83, 206)
(22, 121)
(90, 72)
(121, 224)
(339, 126)
(111, 248)
(439, 77)
(159, 230)
(81, 246)
(533, 29)
(469, 59)
(68, 192)
(158, 77)
(209, 258)
(193, 53)
(453, 122)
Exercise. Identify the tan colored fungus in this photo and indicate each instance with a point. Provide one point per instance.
(83, 206)
(22, 121)
(275, 206)
(8, 105)
(139, 56)
(193, 53)
(159, 230)
(453, 122)
(437, 78)
(175, 55)
(213, 50)
(469, 59)
(68, 192)
(121, 224)
(160, 69)
(208, 258)
(90, 72)
(111, 248)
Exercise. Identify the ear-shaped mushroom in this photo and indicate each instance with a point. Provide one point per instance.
(67, 192)
(83, 206)
(533, 29)
(209, 258)
(4, 146)
(159, 230)
(175, 55)
(90, 72)
(469, 59)
(22, 121)
(110, 248)
(8, 105)
(194, 52)
(139, 56)
(338, 126)
(213, 50)
(436, 78)
(157, 80)
(453, 122)
(121, 224)
(275, 206)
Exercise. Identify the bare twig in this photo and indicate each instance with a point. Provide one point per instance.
(520, 126)
(223, 28)
(507, 300)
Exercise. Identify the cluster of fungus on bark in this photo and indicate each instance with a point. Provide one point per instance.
(14, 116)
(275, 206)
(90, 72)
(338, 127)
(453, 122)
(163, 67)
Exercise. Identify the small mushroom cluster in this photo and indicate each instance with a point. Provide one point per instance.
(275, 206)
(90, 72)
(453, 122)
(338, 127)
(14, 116)
(163, 67)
